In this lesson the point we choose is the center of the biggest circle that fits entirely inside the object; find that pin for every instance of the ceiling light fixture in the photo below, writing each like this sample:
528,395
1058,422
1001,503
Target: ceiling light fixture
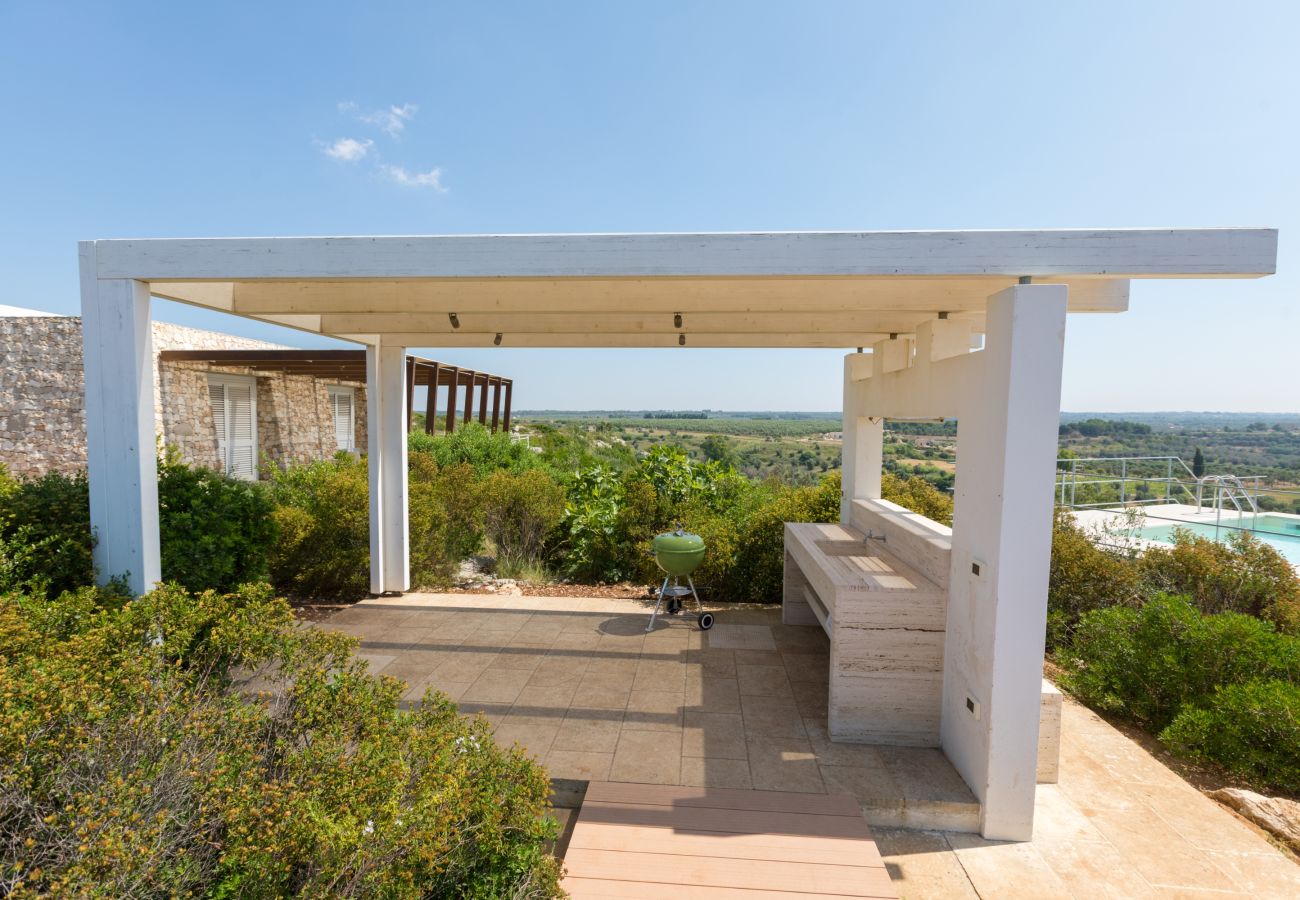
497,340
454,319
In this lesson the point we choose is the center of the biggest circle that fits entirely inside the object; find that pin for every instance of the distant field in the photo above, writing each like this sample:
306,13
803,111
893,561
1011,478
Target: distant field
737,426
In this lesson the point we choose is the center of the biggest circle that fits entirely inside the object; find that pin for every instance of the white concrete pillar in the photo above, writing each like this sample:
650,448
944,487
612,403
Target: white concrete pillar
862,451
121,456
390,561
997,608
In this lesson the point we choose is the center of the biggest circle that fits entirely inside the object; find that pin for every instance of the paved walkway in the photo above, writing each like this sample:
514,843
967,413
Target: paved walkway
580,685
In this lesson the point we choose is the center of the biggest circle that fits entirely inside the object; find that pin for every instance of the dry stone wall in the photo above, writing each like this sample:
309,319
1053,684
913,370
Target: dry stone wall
42,411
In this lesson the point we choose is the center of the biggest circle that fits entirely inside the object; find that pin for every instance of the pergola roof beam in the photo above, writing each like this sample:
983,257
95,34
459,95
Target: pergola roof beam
1136,253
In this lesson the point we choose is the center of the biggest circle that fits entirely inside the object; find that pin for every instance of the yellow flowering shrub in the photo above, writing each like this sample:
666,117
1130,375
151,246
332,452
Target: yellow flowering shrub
205,745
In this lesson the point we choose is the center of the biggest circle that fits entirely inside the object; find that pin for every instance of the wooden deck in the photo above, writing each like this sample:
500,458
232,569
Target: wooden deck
653,841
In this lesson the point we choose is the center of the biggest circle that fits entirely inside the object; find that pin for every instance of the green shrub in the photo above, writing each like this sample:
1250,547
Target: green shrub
322,515
760,557
519,512
1083,577
593,547
918,495
45,525
216,531
453,493
476,445
1251,729
129,767
1149,663
1242,575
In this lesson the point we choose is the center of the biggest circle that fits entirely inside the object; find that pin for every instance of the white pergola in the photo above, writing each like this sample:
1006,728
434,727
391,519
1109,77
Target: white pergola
968,324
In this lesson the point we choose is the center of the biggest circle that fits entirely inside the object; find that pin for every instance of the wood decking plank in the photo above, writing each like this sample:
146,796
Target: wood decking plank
606,889
751,874
639,841
677,841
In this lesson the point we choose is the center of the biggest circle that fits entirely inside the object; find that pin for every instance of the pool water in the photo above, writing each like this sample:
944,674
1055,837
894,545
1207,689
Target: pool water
1282,533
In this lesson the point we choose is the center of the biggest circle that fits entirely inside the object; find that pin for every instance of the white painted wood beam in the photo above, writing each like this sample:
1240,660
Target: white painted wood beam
629,323
386,459
520,296
120,438
510,339
1155,252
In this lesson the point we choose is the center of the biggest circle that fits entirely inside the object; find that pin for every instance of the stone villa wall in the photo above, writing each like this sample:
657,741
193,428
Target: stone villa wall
42,414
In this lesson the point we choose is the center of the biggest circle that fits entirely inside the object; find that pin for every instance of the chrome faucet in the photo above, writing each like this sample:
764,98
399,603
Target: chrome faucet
872,536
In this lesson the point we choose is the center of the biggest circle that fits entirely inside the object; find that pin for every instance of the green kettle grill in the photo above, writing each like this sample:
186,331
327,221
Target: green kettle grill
678,553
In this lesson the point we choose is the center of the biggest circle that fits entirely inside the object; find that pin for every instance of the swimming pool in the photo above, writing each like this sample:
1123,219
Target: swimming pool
1282,533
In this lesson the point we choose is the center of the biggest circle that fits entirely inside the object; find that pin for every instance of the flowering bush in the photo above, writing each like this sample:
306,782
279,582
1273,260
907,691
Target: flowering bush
138,760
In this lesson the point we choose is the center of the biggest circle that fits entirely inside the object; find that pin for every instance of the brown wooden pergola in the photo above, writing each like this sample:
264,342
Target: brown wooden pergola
350,365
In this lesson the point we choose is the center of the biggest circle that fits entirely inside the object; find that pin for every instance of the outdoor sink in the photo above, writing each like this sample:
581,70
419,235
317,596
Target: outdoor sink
845,548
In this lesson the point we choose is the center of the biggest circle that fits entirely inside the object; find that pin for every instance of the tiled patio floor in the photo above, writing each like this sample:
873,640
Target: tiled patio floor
581,686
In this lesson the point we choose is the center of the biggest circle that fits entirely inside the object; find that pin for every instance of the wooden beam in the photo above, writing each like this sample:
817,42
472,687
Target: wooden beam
1149,252
650,296
487,339
505,422
496,403
482,400
469,395
451,399
431,404
636,323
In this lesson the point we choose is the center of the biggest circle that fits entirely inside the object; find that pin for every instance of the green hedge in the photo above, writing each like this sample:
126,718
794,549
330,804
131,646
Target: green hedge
1216,686
134,762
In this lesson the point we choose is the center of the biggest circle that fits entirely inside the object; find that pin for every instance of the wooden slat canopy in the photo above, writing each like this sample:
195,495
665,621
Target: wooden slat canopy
350,365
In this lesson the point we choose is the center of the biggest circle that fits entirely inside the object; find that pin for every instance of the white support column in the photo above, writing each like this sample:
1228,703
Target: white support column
862,451
390,562
997,609
122,459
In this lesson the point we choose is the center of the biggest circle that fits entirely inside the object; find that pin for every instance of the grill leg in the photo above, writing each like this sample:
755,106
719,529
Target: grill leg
662,591
699,607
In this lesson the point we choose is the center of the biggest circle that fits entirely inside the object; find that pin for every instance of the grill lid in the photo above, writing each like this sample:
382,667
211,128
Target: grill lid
679,541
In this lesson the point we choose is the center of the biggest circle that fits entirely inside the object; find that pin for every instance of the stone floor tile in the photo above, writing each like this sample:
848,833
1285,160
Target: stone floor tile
922,865
535,740
812,668
924,774
837,753
558,670
870,785
375,662
784,764
709,694
763,681
648,757
1158,852
463,665
589,732
1056,818
749,657
706,771
771,718
659,675
578,764
812,699
1094,868
1266,875
497,686
654,711
515,657
1007,869
714,735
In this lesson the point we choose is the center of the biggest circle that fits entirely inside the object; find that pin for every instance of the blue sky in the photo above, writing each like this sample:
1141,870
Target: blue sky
177,119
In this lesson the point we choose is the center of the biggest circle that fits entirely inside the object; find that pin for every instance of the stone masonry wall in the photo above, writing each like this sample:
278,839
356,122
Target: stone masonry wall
42,416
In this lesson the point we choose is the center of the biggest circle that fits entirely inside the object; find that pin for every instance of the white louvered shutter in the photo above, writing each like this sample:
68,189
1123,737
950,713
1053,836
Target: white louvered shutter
242,458
341,406
234,418
217,394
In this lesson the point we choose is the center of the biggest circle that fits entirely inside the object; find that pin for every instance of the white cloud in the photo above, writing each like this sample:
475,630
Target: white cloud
429,179
348,149
392,121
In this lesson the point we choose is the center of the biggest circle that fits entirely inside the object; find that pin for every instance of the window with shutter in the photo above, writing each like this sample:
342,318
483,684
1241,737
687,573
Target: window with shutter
234,414
343,411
